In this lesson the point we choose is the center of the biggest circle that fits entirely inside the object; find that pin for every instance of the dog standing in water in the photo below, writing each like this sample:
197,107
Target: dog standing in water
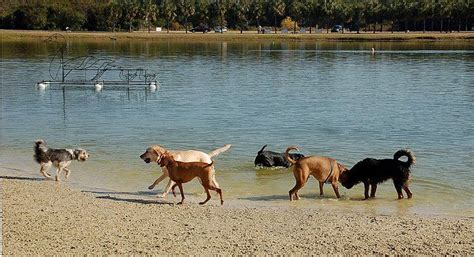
372,172
323,169
60,158
183,172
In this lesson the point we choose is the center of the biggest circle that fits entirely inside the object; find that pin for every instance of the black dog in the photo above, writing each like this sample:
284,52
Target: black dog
274,159
372,172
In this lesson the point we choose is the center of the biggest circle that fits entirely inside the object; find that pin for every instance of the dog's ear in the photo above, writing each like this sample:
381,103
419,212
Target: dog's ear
341,167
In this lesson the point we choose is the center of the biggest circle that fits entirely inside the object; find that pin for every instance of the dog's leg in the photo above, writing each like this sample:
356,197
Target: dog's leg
366,190
294,190
373,189
321,184
172,189
58,172
182,193
67,173
409,194
163,176
398,187
336,189
44,169
167,189
208,196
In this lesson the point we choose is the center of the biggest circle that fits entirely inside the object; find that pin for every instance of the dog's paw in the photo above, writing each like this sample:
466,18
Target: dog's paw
151,187
161,195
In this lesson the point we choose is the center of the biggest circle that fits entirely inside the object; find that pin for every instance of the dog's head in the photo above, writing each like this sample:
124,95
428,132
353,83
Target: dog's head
349,177
152,154
165,159
81,154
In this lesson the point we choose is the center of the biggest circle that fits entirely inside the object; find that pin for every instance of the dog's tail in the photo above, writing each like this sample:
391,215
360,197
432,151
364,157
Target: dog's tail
261,150
287,154
40,150
219,151
405,152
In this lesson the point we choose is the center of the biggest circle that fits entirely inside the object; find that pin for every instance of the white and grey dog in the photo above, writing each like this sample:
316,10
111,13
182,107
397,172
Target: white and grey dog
60,158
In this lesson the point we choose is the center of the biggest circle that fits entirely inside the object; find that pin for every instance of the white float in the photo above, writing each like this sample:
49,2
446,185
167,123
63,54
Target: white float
153,86
42,85
98,86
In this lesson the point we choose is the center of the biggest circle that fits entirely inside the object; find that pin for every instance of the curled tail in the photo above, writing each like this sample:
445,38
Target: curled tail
287,154
40,151
261,150
405,152
219,150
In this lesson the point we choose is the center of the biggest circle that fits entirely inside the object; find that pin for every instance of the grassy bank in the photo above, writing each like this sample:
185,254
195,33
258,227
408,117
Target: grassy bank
236,36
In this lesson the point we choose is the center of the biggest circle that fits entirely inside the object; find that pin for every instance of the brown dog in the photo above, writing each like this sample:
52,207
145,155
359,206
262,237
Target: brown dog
323,169
183,172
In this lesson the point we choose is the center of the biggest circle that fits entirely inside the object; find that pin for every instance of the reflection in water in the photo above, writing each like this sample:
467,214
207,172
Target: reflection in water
332,99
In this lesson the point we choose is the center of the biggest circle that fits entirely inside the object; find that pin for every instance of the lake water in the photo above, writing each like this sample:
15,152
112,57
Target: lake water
331,99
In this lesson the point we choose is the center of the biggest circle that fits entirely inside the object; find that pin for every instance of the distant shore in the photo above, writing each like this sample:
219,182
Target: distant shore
236,36
44,217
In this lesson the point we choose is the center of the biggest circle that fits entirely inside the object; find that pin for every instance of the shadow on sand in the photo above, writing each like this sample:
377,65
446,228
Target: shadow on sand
22,178
131,200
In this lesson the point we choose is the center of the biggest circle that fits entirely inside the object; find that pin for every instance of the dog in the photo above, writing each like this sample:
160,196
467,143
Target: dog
323,169
372,172
183,172
153,154
274,159
60,158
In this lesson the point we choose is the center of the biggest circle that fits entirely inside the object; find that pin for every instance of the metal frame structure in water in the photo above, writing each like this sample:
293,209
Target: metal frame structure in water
88,71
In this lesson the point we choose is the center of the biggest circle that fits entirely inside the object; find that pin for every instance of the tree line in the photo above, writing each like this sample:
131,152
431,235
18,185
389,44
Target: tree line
129,15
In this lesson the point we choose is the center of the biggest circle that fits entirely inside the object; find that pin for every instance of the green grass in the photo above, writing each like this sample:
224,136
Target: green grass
236,36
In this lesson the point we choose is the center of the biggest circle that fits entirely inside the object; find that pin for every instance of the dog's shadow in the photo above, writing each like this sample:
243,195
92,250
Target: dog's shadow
287,198
138,193
22,178
133,200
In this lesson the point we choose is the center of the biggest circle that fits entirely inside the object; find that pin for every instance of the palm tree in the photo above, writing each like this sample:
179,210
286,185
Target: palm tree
296,12
277,9
256,11
186,9
168,10
130,10
149,11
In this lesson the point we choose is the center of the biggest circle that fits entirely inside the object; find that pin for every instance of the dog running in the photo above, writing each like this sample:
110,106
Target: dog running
60,158
274,159
183,172
323,169
372,172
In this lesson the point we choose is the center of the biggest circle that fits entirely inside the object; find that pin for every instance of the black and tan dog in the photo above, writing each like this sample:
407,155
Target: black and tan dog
274,159
372,172
60,158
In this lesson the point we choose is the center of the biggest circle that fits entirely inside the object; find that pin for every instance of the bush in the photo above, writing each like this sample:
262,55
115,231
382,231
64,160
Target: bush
289,24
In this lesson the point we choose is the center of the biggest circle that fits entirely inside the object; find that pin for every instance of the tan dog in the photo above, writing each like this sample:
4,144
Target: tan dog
153,154
183,172
323,169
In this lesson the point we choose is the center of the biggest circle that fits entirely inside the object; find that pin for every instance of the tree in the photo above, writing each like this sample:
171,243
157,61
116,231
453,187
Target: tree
186,9
277,8
238,13
168,10
130,9
30,17
296,11
149,12
256,11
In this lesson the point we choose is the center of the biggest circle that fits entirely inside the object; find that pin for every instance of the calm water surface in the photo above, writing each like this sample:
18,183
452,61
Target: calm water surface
331,99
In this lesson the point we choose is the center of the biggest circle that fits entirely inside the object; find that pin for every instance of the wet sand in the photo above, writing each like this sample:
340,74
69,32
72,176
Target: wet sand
44,217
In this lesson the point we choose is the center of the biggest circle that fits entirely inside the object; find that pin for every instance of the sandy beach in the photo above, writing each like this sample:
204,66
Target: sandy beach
44,217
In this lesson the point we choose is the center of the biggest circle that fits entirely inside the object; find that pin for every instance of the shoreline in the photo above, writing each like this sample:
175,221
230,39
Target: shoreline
235,36
44,217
